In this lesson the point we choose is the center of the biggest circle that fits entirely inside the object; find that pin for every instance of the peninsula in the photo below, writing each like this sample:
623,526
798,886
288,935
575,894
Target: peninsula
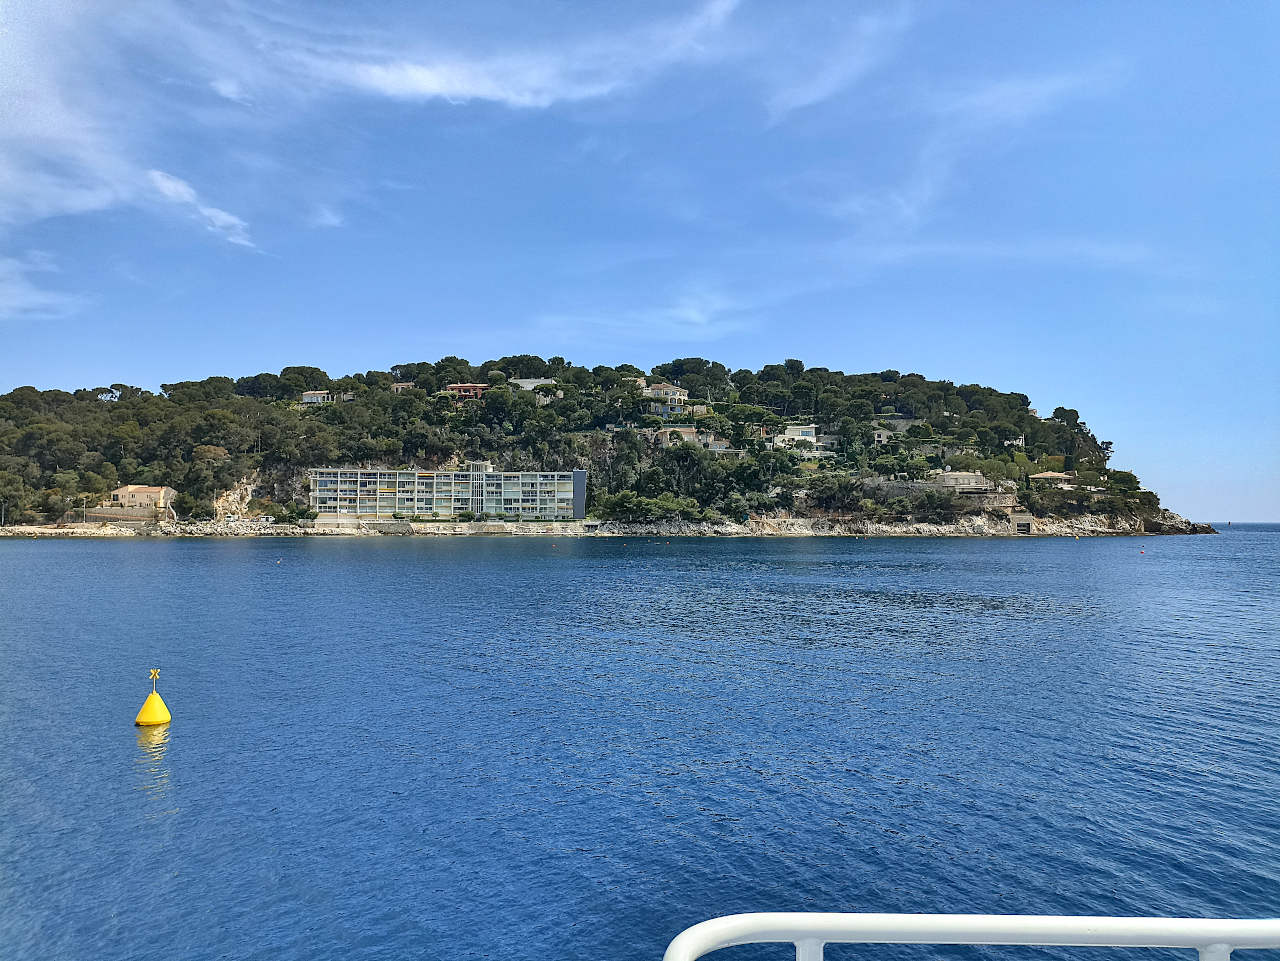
527,445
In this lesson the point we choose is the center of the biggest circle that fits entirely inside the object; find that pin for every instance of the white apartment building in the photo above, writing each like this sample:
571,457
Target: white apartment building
479,489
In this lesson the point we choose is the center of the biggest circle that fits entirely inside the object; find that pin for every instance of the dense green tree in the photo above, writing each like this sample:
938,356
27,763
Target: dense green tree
58,448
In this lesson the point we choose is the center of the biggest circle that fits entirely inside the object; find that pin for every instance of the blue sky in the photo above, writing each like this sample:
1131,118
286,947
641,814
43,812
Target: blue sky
1078,201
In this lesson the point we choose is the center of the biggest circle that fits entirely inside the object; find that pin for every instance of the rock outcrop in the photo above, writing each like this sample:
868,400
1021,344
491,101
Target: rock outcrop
970,525
1167,522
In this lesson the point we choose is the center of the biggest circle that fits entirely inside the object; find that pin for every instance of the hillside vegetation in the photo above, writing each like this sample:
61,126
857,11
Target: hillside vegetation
60,449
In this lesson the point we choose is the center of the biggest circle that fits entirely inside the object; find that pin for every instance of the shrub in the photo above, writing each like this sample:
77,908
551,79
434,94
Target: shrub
630,506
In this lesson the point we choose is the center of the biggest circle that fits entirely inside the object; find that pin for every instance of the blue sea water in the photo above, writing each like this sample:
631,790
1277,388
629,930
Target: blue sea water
557,748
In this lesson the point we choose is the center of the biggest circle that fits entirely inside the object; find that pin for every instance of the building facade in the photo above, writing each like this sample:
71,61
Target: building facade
667,400
479,489
962,481
794,433
137,496
531,383
676,434
130,504
466,391
326,397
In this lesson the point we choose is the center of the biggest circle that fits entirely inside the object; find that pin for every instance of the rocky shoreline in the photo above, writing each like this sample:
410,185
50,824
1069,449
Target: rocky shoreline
975,525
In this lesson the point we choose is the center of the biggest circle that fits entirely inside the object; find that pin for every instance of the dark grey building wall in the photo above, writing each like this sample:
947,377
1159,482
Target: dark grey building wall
579,494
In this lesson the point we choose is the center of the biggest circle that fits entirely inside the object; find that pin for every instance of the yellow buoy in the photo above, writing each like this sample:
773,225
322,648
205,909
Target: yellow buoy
154,710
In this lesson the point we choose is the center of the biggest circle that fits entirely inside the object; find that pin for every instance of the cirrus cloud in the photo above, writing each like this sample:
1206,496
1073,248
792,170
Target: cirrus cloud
176,190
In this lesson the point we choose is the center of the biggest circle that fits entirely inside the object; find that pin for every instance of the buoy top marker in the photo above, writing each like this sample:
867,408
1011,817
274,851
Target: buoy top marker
154,710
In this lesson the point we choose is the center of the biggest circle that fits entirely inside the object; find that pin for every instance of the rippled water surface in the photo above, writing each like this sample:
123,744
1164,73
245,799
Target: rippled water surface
557,748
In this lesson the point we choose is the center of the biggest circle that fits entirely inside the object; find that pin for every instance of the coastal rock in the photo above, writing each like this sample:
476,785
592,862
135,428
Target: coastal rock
68,530
1167,522
970,525
998,524
228,529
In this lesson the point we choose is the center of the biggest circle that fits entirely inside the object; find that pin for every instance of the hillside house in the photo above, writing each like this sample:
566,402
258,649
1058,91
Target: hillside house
687,434
962,482
667,400
541,398
673,435
792,434
466,391
311,397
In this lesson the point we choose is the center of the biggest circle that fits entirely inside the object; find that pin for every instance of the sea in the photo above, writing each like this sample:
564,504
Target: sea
561,748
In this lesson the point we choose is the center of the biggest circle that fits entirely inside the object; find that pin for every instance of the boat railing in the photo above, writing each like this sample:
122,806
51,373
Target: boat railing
1213,938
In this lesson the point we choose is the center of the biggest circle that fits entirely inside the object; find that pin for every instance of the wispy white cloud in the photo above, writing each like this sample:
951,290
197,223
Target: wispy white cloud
322,215
1030,251
698,315
528,78
959,126
69,122
176,190
1014,100
22,298
864,44
229,89
81,124
57,155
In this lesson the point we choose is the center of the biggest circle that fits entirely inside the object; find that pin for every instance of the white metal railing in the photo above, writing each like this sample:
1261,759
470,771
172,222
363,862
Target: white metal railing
1214,938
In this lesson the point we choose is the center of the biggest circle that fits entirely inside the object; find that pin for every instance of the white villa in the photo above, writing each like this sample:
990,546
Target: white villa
327,397
668,400
793,434
687,434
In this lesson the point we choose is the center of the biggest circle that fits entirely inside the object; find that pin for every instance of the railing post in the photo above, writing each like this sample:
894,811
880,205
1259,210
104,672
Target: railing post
1215,952
810,949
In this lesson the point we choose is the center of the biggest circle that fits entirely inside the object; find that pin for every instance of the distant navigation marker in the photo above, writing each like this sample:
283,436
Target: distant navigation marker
154,710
